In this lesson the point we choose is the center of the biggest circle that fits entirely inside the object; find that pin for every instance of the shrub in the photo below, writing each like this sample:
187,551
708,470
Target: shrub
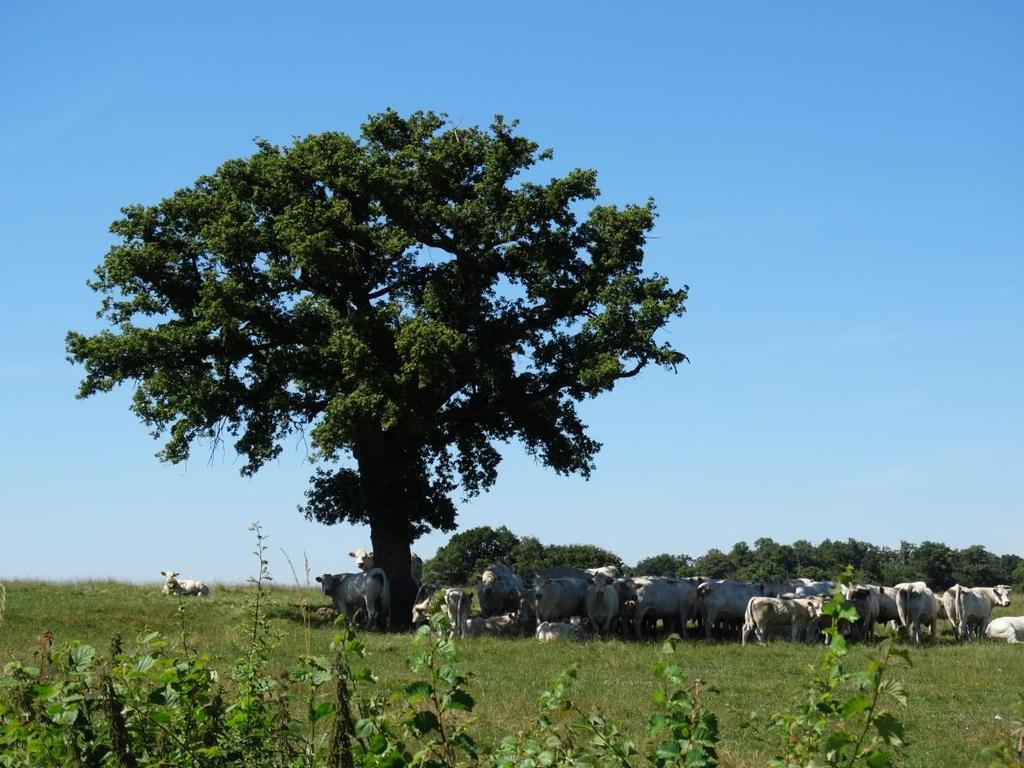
840,720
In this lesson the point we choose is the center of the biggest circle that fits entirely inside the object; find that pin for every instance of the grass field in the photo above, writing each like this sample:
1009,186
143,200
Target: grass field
960,694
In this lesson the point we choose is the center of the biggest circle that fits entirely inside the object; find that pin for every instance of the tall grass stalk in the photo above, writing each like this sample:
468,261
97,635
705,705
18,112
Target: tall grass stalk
305,609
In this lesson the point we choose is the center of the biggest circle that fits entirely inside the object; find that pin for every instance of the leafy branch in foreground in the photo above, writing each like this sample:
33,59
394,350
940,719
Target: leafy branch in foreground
839,720
683,733
435,700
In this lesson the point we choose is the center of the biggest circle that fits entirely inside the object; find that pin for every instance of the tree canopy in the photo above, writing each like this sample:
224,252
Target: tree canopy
405,299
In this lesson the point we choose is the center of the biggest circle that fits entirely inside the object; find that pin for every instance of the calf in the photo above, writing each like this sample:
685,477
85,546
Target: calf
351,592
175,586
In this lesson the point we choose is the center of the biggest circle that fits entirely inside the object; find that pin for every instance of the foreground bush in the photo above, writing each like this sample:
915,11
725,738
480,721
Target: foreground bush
154,703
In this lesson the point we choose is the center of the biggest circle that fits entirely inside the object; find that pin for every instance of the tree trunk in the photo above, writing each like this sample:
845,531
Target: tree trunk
384,472
391,553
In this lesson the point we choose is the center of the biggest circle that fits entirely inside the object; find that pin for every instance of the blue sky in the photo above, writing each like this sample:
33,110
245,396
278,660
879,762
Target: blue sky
839,185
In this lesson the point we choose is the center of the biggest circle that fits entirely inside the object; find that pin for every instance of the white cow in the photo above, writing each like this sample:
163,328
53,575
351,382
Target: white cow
671,600
499,590
423,604
916,605
178,586
865,601
602,603
763,614
350,592
1008,628
574,629
724,600
560,598
456,607
946,607
780,588
814,588
888,608
974,606
526,615
611,571
496,626
364,562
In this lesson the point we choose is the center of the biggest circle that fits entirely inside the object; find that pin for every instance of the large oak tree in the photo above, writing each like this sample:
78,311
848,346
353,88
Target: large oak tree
405,299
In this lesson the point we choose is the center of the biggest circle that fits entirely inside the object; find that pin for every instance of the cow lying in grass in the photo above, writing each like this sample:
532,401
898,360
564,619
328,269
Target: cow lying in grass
177,586
1008,628
574,629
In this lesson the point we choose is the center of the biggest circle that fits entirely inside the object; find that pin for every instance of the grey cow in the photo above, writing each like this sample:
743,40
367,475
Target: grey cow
351,592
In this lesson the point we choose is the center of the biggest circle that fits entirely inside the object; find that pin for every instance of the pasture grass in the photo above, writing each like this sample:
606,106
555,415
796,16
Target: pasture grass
960,694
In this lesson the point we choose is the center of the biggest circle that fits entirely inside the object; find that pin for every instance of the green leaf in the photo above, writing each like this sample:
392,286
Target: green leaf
657,722
856,704
82,657
377,744
890,729
894,688
365,727
419,660
460,700
363,675
418,691
450,675
425,722
63,715
319,677
668,749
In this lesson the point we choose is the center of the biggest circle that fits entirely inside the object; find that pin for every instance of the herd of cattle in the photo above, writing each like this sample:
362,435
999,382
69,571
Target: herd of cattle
572,603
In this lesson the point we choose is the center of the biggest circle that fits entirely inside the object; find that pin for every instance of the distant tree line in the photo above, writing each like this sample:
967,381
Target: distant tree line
467,553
